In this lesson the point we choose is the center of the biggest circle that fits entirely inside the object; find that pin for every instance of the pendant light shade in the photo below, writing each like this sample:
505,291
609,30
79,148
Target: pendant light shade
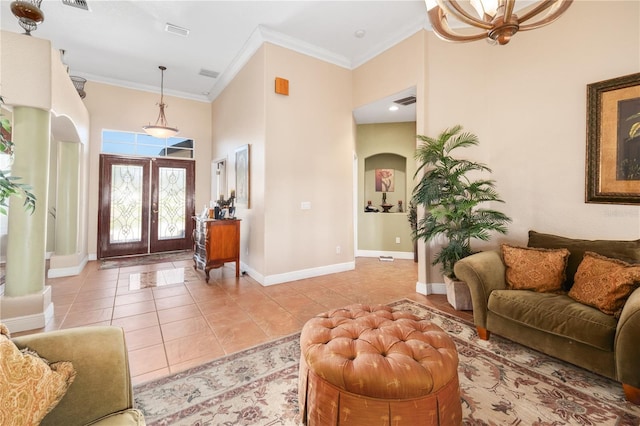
161,129
494,20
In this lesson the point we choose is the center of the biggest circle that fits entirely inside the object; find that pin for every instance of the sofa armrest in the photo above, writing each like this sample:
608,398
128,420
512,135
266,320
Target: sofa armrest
626,348
483,272
103,383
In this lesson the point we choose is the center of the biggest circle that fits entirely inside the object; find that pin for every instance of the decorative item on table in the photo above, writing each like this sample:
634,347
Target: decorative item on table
400,210
226,207
205,212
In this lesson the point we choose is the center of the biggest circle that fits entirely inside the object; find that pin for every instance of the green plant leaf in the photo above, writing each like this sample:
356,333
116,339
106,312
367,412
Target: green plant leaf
456,206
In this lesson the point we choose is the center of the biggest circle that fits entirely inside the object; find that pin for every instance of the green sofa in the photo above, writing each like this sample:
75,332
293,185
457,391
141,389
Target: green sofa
554,323
101,393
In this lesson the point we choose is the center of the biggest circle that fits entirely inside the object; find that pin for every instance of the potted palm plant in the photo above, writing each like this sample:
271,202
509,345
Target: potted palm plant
9,185
455,204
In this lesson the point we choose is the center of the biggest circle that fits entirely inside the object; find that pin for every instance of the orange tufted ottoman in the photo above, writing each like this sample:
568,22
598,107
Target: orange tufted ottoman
370,365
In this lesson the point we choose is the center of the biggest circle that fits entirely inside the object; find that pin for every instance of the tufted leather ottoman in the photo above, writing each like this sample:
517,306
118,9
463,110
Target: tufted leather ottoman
370,365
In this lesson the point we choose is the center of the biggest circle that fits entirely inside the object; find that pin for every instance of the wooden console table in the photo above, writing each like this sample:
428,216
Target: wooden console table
216,242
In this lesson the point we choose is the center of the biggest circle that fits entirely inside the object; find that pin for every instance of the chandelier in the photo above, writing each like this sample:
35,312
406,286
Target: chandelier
161,129
495,19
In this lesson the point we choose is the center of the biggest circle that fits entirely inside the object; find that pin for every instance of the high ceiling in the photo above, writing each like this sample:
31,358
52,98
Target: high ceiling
123,42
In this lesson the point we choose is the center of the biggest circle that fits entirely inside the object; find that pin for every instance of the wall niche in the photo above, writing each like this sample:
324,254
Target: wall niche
385,183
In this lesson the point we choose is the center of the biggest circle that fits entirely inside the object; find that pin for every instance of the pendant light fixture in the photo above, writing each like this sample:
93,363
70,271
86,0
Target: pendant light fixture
161,129
495,19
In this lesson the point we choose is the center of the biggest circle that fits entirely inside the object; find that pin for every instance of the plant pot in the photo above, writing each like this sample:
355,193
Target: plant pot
458,294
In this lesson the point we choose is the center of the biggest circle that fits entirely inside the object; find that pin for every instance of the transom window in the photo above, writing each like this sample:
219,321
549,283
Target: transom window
130,143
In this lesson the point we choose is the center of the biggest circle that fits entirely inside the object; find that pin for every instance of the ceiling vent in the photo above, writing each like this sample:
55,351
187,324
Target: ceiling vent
209,73
80,4
406,101
174,29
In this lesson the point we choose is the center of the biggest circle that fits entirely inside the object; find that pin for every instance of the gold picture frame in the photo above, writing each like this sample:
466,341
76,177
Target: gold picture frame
243,176
613,141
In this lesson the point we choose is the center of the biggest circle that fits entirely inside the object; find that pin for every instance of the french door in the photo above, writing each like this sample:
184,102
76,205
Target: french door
146,205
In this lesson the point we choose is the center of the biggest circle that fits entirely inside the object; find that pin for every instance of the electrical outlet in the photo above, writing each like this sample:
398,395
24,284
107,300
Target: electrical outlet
397,240
338,250
305,205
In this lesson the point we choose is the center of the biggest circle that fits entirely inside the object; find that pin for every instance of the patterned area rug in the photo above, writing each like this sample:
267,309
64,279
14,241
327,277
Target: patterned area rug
146,259
501,383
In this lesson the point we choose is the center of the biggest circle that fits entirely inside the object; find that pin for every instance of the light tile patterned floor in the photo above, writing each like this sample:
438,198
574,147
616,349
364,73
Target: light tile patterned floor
174,320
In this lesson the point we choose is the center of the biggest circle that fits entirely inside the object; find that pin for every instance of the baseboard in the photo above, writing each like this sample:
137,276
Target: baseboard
67,272
430,288
29,322
377,253
39,304
305,273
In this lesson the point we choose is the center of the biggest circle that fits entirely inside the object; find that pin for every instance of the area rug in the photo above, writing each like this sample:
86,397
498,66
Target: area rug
501,383
146,259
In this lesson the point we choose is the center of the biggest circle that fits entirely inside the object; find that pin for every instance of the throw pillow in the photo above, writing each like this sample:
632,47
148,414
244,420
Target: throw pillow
605,283
541,270
629,251
29,386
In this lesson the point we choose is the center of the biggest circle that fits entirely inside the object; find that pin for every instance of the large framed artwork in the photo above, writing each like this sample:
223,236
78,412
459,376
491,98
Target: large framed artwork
243,181
613,141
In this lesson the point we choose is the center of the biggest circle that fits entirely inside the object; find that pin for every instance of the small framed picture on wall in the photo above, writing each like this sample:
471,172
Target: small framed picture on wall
243,176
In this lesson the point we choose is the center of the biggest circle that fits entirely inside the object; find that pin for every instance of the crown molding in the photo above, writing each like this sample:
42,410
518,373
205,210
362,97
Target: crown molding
420,23
142,87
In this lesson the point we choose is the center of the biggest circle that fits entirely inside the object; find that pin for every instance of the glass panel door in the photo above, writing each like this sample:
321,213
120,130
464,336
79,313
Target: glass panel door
146,205
171,206
123,221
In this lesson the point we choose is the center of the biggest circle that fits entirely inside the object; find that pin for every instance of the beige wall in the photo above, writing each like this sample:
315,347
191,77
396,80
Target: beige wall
301,151
118,108
309,158
527,103
378,232
237,119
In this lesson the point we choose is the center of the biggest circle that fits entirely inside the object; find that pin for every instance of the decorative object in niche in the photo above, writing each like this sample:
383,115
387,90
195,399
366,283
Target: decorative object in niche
369,208
385,206
613,141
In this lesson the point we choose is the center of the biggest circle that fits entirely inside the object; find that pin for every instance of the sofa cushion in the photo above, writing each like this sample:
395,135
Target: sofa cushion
629,251
604,283
29,386
557,314
534,269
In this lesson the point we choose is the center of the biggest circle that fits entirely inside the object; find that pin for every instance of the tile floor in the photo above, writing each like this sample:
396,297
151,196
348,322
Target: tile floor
172,326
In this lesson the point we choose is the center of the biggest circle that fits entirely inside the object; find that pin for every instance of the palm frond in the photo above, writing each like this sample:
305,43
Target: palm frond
455,204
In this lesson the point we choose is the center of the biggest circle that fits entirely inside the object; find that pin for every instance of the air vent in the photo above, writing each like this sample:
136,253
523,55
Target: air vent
80,4
406,101
209,73
174,29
